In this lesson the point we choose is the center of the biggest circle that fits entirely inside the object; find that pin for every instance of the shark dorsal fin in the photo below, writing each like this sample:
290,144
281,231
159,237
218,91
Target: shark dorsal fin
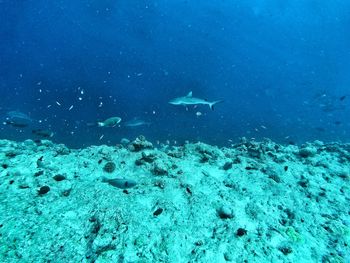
189,94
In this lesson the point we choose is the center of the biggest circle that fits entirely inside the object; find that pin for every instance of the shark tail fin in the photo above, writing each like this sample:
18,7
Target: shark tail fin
211,104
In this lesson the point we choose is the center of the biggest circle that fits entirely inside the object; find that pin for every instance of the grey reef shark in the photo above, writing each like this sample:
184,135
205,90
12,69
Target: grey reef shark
190,100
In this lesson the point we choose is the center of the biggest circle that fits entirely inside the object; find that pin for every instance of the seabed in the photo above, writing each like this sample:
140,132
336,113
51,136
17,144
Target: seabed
252,202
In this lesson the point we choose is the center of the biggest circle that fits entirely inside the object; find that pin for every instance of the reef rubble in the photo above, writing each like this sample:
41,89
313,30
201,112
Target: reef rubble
252,202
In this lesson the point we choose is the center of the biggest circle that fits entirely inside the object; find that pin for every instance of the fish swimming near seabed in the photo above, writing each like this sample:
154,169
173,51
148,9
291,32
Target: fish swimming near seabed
136,122
18,119
190,100
121,183
43,133
110,122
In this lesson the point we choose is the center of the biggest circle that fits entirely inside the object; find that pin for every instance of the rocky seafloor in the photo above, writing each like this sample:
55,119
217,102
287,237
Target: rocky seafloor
252,202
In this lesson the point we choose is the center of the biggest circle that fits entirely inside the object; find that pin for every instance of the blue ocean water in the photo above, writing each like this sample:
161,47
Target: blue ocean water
280,67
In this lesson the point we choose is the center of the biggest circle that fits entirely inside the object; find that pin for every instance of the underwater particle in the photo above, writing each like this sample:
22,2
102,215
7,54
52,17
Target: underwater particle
43,190
225,212
59,177
241,232
109,167
198,113
286,168
70,108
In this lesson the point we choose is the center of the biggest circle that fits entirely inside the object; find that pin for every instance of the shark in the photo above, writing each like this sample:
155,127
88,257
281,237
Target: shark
190,100
136,122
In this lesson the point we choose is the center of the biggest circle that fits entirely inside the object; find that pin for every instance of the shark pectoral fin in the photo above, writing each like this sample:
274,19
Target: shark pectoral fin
189,94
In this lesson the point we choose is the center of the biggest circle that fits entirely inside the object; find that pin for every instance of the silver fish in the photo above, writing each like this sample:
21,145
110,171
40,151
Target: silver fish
121,183
136,122
18,119
110,122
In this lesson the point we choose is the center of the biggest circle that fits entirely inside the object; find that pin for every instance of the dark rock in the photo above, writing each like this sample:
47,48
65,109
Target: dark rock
109,167
286,250
275,178
303,183
175,154
241,232
39,173
158,212
10,155
227,165
225,212
159,169
59,177
146,157
307,152
140,144
43,190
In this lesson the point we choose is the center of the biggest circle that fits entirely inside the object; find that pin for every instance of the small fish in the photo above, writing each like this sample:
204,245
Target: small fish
43,133
320,129
124,141
16,124
18,119
136,122
342,98
110,122
121,183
